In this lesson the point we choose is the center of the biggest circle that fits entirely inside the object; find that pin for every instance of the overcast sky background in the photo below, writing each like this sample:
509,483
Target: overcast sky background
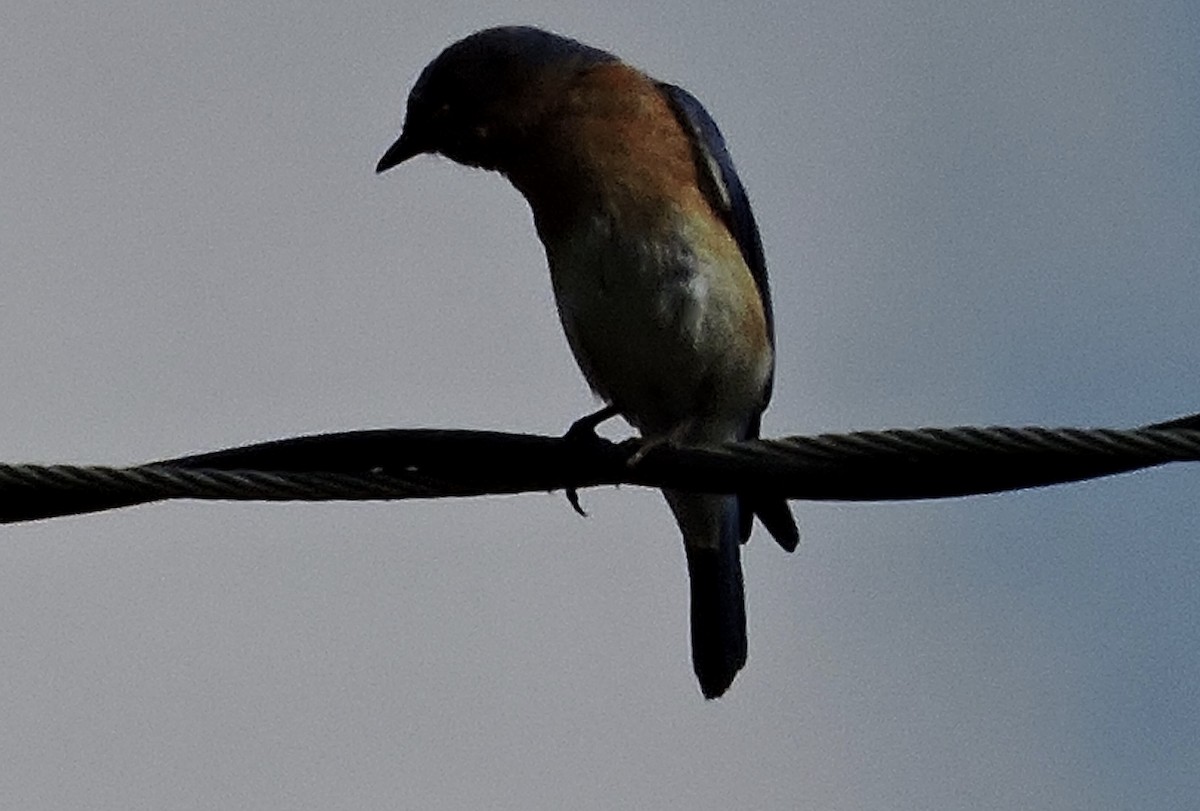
980,213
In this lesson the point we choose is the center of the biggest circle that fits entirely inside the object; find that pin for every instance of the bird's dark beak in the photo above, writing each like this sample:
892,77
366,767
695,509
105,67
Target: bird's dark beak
406,147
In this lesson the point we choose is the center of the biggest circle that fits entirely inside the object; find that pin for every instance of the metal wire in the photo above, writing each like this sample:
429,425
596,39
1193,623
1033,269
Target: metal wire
400,464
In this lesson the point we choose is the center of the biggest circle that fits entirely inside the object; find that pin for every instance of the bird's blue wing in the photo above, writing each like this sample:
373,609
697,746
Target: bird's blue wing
723,187
727,196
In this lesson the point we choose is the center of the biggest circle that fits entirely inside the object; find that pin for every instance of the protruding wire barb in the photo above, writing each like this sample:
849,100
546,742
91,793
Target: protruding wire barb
424,463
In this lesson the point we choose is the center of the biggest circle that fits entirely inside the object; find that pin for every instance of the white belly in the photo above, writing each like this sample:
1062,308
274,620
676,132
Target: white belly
663,330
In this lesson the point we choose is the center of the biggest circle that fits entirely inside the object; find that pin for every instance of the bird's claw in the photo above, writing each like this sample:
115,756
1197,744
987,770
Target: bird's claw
583,430
573,498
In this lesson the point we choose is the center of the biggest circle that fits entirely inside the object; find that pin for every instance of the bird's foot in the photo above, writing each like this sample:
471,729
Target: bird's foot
583,431
647,445
584,428
673,439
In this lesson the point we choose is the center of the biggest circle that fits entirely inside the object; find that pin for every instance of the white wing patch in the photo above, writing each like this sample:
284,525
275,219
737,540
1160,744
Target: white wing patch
713,174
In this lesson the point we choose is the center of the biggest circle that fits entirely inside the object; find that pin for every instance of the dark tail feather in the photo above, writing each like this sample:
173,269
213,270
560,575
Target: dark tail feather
776,516
718,613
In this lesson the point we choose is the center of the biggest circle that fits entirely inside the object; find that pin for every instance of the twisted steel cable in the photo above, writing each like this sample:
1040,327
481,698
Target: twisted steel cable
426,463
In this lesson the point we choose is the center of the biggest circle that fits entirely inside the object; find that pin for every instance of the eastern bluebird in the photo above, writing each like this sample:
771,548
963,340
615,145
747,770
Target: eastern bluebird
655,259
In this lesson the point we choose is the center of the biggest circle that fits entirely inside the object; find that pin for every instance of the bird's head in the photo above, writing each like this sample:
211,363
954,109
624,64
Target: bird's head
478,100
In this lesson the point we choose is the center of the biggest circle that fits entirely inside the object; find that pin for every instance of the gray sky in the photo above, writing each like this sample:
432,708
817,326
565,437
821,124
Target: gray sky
973,213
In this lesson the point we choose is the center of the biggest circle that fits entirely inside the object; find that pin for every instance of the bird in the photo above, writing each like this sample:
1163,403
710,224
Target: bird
655,260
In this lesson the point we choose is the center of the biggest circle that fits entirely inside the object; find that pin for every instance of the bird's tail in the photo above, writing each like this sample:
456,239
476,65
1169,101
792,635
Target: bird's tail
711,537
774,513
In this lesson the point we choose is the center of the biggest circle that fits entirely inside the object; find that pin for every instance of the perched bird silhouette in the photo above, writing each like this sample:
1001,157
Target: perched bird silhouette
655,259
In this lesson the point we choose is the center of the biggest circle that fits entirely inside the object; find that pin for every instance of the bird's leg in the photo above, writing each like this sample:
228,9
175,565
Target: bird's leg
585,426
584,430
